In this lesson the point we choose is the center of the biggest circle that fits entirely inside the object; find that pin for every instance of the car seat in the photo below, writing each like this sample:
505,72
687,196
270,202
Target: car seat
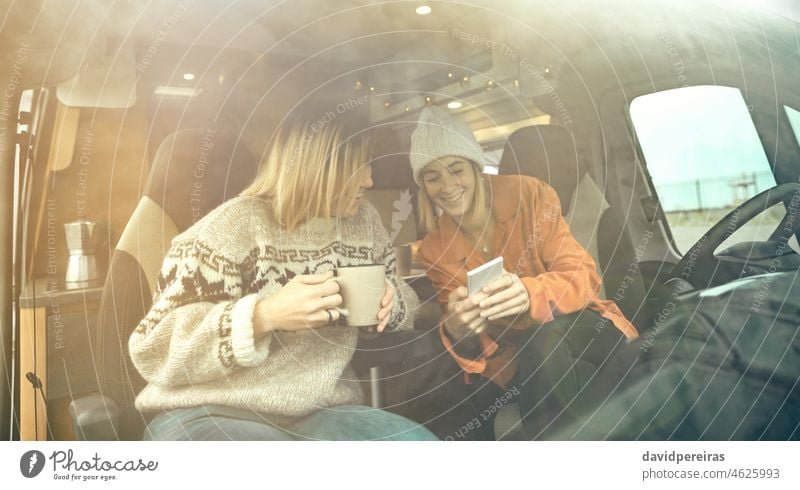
549,153
193,171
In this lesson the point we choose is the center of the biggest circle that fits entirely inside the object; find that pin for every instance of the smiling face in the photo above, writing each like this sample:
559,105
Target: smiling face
348,204
450,183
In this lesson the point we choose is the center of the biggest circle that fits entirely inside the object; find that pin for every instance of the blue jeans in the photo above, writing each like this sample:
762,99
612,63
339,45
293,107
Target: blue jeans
342,423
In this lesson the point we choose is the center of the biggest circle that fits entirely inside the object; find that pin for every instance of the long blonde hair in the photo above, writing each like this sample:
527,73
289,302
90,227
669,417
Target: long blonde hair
478,209
309,165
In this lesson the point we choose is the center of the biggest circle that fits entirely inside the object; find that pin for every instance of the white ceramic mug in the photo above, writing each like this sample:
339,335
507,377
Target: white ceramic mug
361,288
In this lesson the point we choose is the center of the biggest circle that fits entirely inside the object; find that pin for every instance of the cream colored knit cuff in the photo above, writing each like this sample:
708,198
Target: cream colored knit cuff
245,350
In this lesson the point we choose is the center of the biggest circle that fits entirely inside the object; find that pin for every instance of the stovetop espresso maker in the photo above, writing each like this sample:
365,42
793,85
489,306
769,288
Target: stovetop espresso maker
82,263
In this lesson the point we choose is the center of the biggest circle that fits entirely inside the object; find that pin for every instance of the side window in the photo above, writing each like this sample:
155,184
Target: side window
704,157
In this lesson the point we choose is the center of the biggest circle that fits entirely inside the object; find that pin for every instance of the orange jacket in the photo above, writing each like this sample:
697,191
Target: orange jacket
537,246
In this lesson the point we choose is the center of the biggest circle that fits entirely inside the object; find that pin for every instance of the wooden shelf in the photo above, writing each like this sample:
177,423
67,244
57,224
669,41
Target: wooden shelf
56,335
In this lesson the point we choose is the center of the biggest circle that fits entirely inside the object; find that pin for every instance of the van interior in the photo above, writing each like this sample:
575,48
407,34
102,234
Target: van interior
123,123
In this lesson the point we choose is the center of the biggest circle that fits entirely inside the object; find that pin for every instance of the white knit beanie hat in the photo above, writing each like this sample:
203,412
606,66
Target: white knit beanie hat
438,134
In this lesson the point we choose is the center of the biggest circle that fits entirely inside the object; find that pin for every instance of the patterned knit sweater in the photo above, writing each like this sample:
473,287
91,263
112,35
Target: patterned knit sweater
196,345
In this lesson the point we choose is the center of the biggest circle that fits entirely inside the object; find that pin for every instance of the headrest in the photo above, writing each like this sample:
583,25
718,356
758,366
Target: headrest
196,170
390,164
548,153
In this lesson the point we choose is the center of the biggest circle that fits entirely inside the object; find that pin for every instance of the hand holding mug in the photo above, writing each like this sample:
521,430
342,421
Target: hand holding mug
306,301
387,305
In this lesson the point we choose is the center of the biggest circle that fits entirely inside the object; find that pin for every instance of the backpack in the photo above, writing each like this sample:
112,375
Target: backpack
718,364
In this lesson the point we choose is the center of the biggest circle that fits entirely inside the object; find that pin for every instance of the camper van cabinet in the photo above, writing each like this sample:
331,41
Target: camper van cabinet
55,355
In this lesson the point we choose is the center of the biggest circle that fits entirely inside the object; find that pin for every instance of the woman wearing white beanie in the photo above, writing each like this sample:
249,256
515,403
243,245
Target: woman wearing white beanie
536,331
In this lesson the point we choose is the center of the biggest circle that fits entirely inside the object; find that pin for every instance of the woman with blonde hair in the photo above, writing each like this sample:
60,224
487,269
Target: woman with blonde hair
539,332
243,341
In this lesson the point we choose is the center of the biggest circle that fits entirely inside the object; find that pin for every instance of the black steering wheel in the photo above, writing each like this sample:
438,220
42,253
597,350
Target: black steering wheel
698,266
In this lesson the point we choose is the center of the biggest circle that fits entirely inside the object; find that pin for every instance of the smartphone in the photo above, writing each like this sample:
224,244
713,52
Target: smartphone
484,275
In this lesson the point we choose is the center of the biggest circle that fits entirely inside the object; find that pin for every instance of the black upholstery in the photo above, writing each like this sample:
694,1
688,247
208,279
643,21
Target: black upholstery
126,299
193,171
548,153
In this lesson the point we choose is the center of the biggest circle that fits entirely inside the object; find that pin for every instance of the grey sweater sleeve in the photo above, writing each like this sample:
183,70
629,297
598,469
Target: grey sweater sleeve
406,302
199,327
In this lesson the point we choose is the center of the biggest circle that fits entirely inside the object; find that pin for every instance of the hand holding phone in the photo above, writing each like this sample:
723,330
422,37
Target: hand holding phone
506,296
483,275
